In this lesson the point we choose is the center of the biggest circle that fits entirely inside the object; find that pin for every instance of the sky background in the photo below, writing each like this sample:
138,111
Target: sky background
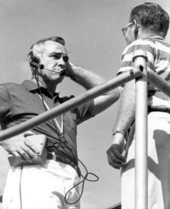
92,30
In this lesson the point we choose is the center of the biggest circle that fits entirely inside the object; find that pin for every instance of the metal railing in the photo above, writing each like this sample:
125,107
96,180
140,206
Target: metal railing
141,132
141,192
142,77
70,104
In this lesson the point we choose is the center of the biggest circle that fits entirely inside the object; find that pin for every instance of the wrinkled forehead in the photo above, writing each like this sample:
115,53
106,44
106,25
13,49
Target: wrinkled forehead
48,47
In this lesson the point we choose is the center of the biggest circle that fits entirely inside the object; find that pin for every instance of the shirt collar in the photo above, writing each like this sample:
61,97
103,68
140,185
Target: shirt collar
156,37
33,87
30,85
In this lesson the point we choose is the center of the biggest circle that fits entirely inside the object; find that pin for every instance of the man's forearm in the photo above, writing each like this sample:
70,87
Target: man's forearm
126,113
86,78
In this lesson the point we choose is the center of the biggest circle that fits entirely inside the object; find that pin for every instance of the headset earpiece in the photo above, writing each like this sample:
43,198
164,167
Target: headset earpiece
34,61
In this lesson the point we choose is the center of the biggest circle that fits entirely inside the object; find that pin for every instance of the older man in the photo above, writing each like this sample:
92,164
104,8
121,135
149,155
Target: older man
44,185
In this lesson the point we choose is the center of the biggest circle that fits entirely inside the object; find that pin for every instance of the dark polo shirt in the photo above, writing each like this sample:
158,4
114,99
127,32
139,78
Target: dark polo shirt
21,102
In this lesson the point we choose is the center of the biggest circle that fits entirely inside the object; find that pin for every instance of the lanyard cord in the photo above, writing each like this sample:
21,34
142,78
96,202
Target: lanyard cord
64,146
54,119
56,124
61,140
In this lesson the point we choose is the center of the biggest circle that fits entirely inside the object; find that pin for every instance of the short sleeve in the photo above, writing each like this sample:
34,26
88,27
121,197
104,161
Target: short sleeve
84,111
146,45
4,103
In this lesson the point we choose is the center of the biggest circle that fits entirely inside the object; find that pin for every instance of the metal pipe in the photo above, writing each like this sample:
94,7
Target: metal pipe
158,81
69,105
141,167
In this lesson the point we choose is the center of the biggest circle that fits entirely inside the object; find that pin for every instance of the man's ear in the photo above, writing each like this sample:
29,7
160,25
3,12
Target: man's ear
136,29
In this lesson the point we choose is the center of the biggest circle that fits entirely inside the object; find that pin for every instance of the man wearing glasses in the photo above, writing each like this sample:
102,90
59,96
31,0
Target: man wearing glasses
50,182
146,31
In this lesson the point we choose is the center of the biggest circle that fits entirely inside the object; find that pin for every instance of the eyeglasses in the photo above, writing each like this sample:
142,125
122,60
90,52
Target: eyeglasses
124,29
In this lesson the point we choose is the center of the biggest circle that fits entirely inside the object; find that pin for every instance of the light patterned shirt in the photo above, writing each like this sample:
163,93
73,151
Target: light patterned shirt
158,54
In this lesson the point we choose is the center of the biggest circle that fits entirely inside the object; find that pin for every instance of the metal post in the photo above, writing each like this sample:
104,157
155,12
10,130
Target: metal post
141,174
69,105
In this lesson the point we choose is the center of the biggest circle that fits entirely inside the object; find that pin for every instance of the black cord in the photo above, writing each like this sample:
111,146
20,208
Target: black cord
85,177
81,182
62,144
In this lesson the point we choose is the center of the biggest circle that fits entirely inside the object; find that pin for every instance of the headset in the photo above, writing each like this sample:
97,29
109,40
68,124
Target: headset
34,63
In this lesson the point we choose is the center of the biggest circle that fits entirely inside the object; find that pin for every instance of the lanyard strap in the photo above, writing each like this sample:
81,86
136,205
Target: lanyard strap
54,119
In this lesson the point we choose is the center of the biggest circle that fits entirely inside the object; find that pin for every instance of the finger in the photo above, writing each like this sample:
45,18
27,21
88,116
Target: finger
24,154
14,153
117,165
31,146
29,152
115,155
114,164
28,133
119,156
116,161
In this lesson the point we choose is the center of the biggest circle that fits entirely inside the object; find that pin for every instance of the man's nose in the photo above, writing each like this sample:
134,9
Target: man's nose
61,62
